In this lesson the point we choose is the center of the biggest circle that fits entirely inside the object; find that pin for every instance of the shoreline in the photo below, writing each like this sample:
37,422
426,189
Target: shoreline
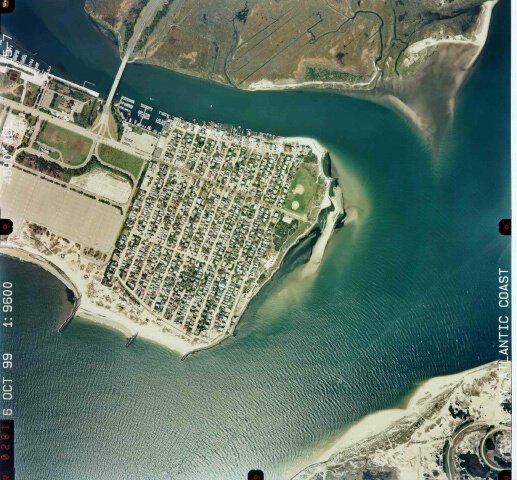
85,314
23,255
479,39
147,329
320,151
104,28
379,421
364,92
389,101
318,251
87,310
367,90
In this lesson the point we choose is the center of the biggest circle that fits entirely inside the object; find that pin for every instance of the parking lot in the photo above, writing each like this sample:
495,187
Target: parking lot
65,212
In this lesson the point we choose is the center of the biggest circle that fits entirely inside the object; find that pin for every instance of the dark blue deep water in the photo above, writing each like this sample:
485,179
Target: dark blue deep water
407,293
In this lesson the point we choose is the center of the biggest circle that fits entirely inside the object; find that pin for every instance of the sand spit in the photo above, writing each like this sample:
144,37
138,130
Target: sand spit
408,440
387,96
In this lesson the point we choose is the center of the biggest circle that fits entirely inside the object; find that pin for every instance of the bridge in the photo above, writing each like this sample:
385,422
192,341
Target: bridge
144,19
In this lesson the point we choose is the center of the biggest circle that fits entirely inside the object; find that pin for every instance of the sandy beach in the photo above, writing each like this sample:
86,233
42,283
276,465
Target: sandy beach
320,152
321,243
360,89
89,310
99,304
316,146
479,37
36,259
379,421
317,84
336,200
418,429
150,331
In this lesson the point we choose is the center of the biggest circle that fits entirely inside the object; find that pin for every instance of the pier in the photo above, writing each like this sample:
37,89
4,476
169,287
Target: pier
145,18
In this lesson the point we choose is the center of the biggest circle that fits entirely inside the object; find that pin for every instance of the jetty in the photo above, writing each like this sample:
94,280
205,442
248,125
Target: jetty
70,317
131,339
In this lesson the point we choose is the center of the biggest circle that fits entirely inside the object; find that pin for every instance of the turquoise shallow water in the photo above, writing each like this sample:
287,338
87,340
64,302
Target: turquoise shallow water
408,293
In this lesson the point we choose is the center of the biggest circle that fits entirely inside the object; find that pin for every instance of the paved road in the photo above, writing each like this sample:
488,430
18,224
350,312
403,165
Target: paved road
144,19
67,125
492,465
449,460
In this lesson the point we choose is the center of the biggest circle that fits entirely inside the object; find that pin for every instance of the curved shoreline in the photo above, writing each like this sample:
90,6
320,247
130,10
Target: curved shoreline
377,421
84,306
380,421
22,255
368,90
87,310
28,257
323,237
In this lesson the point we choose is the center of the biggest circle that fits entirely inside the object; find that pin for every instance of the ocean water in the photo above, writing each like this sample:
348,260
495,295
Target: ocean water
407,292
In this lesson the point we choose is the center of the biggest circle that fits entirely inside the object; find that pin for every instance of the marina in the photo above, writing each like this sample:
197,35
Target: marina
400,297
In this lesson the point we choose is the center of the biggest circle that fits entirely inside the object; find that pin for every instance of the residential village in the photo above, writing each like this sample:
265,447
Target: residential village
207,217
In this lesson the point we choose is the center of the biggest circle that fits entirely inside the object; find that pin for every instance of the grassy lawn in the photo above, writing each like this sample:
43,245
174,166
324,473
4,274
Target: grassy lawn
52,153
302,190
121,160
88,114
56,101
16,96
32,94
74,148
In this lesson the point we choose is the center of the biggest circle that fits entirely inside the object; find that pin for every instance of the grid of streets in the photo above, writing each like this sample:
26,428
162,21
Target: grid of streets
207,226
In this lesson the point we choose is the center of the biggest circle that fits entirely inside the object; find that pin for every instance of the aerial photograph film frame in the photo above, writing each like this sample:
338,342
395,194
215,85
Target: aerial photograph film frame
257,240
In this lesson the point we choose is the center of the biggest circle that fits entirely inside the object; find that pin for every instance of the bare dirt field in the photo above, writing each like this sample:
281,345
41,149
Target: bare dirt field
106,184
65,212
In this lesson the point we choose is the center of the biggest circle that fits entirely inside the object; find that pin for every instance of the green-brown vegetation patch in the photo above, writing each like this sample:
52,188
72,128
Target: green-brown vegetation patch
117,119
31,94
44,149
121,160
150,28
69,91
321,74
59,172
88,114
303,189
286,233
74,148
11,85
